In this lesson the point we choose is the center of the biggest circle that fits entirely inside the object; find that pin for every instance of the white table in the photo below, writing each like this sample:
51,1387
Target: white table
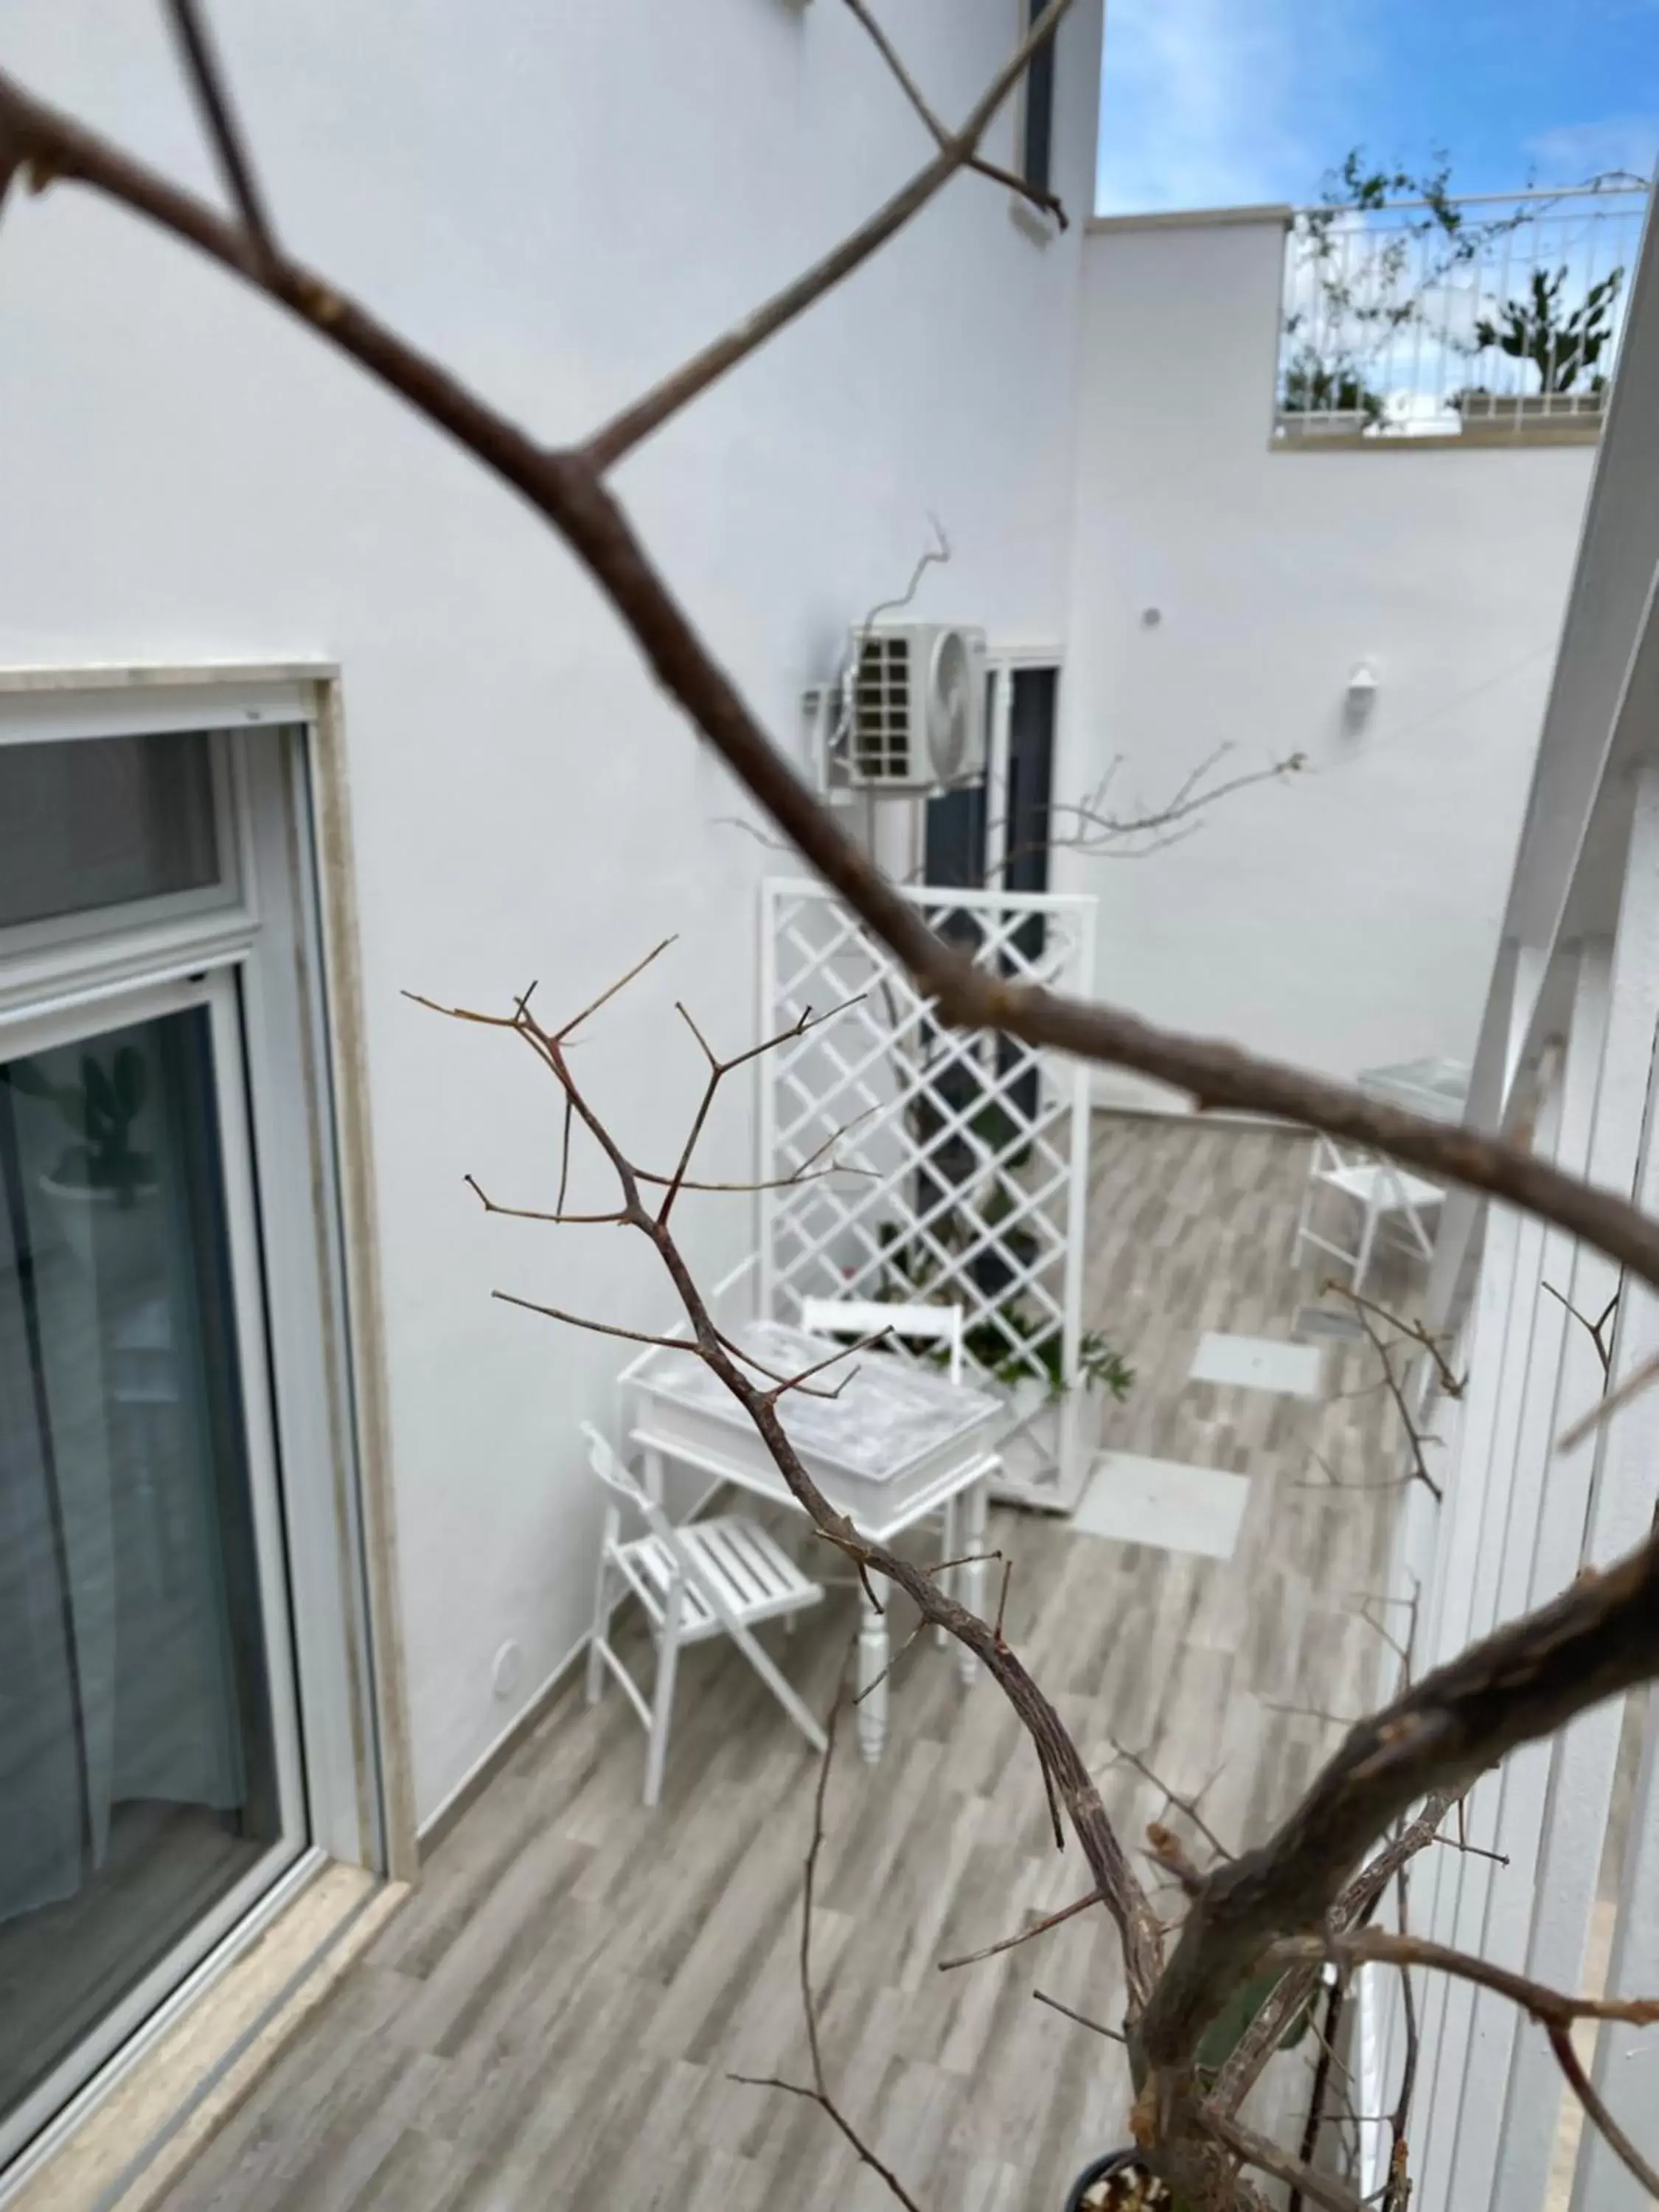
896,1446
1434,1088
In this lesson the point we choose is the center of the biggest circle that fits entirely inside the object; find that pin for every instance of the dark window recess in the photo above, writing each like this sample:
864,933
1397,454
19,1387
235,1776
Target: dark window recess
955,839
1030,796
1036,156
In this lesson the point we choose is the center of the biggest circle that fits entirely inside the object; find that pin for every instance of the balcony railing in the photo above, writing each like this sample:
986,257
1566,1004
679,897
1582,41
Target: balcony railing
1477,317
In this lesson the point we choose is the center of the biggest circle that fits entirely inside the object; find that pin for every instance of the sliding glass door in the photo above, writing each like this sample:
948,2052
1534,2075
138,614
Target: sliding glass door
149,1775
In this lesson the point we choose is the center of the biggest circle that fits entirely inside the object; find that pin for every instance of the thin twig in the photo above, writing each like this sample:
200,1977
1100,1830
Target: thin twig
1011,1943
1188,1806
1418,1332
213,97
530,1214
597,1327
1038,194
1083,2019
818,2093
563,1036
1474,1850
1595,1330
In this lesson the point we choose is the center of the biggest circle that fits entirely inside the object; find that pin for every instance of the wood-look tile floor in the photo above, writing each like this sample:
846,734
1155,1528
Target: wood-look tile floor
555,2018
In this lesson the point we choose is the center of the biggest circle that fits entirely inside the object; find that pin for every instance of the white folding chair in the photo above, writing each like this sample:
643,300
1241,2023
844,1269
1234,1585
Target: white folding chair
704,1578
919,1324
1385,1196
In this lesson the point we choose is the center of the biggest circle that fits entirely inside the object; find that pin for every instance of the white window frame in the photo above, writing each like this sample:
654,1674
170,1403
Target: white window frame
266,950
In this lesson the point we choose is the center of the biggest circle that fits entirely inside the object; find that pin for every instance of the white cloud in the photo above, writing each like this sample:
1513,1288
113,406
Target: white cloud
1208,103
1577,151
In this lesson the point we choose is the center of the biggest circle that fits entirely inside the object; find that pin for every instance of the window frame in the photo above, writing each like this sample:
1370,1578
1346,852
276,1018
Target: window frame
274,953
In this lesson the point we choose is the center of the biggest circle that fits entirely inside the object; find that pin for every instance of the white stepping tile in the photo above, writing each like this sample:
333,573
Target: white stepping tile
1164,1501
1260,1363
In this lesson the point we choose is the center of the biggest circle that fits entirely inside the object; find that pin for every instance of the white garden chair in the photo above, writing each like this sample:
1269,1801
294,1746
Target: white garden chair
704,1578
1389,1200
919,1324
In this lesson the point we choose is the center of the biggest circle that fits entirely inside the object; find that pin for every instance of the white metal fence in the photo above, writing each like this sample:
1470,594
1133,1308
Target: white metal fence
964,1157
1477,317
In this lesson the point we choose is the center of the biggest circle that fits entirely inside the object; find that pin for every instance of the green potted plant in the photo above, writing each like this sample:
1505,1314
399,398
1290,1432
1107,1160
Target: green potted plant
1023,1353
1327,399
1563,346
100,1182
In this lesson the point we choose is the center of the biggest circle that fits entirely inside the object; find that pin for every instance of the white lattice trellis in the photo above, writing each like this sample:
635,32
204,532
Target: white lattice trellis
963,1158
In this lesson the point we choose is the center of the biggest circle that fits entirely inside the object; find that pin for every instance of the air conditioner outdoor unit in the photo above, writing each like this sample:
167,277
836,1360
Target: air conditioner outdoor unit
915,715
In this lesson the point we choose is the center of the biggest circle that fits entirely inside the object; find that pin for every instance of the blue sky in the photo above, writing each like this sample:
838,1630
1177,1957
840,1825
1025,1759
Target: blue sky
1217,103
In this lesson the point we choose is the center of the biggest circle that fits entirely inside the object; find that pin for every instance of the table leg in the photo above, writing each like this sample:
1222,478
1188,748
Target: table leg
873,1655
652,1470
971,1581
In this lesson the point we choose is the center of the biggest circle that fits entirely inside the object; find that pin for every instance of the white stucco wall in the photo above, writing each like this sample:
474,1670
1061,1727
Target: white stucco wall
1348,918
561,203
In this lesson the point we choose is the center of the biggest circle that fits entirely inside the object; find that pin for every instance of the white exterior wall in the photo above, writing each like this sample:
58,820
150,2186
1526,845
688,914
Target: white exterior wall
1348,918
560,205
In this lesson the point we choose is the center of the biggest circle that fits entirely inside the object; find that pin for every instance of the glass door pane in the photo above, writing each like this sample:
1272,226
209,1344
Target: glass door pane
140,1774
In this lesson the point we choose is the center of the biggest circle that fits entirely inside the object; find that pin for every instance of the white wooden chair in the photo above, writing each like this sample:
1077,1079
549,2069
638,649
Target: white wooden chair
918,1324
703,1578
1386,1196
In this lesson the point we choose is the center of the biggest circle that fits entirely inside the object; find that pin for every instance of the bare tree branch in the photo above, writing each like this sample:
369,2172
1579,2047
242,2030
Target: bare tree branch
637,422
1552,2010
1418,1332
1585,2090
1548,2006
1065,1778
1363,1310
1599,1636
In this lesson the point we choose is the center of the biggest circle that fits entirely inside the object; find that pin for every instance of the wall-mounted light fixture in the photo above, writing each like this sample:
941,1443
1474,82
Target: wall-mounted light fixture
1359,700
